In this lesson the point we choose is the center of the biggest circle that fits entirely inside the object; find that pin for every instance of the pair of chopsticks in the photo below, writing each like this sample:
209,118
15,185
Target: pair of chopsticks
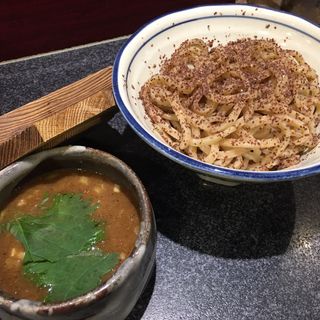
56,117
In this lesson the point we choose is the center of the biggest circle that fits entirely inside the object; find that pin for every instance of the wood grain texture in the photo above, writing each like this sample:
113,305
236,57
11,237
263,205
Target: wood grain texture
56,117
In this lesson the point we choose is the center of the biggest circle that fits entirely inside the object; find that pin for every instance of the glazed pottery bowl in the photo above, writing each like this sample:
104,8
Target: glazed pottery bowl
114,298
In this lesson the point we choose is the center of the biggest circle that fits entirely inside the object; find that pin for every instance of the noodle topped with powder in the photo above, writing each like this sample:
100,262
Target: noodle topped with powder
247,105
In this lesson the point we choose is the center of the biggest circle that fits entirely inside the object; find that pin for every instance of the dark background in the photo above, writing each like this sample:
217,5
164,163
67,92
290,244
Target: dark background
38,26
246,252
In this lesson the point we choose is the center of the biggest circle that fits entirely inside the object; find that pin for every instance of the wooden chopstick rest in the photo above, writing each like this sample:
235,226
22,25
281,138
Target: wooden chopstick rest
56,117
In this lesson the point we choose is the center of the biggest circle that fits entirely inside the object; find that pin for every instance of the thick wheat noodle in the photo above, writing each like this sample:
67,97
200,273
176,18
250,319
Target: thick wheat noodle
247,105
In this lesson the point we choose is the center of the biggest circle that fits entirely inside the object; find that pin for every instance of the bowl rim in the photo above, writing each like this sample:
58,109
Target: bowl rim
147,225
187,161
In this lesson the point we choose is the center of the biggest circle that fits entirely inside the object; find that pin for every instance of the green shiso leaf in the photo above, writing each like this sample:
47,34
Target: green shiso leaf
73,275
59,245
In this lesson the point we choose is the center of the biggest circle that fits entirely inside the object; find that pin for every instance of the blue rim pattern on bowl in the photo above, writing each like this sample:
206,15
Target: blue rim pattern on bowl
196,165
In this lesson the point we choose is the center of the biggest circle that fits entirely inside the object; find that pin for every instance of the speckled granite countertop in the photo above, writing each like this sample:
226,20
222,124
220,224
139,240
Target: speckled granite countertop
229,253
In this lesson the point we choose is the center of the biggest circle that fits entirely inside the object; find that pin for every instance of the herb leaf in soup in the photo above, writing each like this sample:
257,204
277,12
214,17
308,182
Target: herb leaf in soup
64,229
72,276
59,247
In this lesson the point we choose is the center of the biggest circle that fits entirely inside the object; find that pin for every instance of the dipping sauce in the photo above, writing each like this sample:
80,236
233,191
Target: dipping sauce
115,211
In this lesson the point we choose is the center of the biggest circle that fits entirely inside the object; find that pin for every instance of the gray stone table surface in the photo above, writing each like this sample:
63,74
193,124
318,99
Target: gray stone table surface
229,253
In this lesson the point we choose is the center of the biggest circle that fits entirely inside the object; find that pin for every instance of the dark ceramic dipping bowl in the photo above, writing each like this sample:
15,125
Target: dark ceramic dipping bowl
115,298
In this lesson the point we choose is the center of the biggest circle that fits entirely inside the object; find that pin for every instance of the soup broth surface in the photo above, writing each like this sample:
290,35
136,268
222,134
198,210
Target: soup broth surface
116,211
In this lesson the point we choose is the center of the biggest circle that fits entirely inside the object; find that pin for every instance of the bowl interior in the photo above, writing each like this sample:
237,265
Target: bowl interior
106,167
142,55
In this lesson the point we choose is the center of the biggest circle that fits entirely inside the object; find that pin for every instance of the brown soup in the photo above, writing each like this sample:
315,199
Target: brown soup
116,211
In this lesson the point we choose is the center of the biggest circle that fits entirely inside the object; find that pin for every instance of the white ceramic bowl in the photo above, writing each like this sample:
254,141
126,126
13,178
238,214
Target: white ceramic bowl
139,59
